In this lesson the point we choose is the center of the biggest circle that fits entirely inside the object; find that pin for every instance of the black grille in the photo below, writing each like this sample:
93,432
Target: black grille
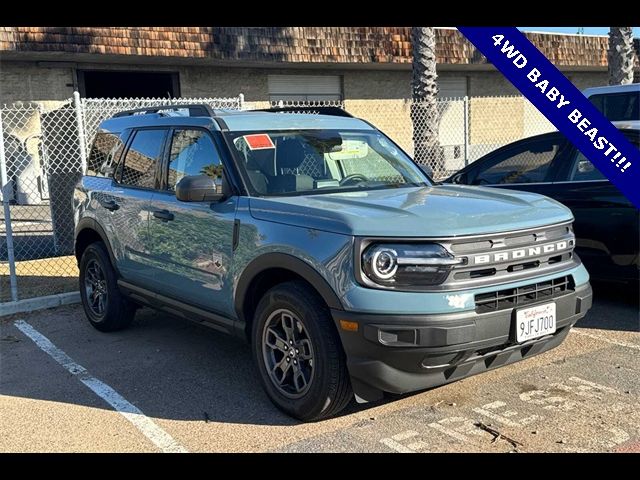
516,297
510,240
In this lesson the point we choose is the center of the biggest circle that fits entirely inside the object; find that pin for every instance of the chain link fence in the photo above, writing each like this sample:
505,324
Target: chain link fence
44,148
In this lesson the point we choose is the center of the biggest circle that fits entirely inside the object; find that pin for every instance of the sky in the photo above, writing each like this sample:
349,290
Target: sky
587,30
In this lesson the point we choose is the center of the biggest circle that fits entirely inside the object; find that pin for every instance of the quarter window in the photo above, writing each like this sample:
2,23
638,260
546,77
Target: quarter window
192,153
105,149
139,167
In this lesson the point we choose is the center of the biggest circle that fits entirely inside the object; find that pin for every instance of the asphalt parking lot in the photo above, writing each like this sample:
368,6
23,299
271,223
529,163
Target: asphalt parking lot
165,385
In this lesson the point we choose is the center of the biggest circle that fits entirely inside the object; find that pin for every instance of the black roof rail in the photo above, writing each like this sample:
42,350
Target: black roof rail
334,111
195,110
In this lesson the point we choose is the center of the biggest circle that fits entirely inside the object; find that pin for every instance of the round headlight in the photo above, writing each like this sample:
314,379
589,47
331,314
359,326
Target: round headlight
385,263
381,262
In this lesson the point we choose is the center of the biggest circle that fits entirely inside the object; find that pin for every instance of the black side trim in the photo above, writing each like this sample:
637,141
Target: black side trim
236,234
176,307
89,223
288,262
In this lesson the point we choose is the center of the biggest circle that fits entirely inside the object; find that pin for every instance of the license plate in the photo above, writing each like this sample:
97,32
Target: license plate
534,322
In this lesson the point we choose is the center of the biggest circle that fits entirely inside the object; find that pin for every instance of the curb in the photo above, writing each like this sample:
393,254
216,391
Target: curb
39,303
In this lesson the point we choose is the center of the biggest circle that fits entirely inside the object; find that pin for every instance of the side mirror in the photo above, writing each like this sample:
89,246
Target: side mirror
585,166
426,169
201,188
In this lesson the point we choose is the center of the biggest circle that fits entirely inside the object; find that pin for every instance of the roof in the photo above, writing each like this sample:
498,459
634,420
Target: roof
240,121
347,45
255,121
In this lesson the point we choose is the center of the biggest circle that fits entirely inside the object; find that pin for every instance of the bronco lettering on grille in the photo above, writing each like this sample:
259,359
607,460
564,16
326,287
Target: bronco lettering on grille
520,253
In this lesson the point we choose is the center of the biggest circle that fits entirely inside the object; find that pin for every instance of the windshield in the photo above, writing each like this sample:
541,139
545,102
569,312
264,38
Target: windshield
322,161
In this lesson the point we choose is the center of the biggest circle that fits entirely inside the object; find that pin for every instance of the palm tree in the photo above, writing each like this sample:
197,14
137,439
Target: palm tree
620,55
424,109
212,170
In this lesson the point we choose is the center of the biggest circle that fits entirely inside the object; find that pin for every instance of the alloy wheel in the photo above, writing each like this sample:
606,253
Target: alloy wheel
288,353
95,285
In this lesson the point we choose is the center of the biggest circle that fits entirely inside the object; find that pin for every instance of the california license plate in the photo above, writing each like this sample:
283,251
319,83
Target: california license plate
534,322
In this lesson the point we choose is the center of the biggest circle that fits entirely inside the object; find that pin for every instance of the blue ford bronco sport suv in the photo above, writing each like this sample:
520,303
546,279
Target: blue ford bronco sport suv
317,239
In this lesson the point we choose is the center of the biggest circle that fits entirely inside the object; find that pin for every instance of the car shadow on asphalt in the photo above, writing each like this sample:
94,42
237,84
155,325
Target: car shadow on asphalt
615,307
168,368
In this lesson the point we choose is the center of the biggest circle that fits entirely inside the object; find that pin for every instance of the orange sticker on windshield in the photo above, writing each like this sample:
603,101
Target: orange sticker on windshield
259,141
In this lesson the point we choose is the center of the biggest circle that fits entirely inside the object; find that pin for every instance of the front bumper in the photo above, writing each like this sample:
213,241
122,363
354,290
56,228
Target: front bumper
404,353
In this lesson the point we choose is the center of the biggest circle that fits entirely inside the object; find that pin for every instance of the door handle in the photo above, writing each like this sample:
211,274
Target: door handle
164,215
109,204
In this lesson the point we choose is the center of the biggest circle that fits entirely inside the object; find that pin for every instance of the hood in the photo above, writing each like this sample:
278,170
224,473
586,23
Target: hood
438,211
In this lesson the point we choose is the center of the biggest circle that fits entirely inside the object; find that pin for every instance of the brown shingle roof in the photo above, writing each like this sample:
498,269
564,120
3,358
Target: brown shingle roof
284,44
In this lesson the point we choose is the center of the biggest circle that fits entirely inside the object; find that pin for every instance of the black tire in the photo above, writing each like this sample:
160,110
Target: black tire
329,388
117,312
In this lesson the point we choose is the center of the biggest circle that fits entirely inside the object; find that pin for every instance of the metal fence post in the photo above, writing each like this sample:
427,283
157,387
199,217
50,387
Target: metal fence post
81,138
466,130
7,217
241,101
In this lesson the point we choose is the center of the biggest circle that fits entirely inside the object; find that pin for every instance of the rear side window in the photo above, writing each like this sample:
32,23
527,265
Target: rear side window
139,166
618,106
105,150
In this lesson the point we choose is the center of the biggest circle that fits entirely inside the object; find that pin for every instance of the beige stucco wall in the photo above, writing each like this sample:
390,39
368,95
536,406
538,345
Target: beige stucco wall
493,120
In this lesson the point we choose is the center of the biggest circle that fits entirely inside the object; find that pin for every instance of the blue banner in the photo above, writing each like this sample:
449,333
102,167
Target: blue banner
562,103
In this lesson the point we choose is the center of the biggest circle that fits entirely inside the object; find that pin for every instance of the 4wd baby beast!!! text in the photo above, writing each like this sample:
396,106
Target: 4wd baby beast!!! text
317,239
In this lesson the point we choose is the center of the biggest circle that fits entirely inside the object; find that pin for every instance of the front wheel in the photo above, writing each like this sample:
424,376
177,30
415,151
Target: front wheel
299,354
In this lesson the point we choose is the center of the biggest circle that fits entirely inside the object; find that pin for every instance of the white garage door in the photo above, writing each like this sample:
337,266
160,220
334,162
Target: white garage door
305,87
452,87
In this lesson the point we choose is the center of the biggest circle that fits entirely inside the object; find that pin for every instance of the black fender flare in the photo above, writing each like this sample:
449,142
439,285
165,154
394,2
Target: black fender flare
88,223
287,262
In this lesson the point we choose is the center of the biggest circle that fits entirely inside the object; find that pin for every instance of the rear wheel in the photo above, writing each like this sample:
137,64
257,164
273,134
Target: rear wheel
299,354
105,307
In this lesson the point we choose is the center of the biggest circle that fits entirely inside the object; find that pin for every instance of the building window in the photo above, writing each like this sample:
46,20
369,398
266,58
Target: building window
305,88
132,84
452,87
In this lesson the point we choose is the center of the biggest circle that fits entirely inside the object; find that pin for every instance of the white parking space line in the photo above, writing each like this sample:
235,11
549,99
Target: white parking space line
397,446
394,442
447,431
405,435
496,417
144,424
594,385
608,340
